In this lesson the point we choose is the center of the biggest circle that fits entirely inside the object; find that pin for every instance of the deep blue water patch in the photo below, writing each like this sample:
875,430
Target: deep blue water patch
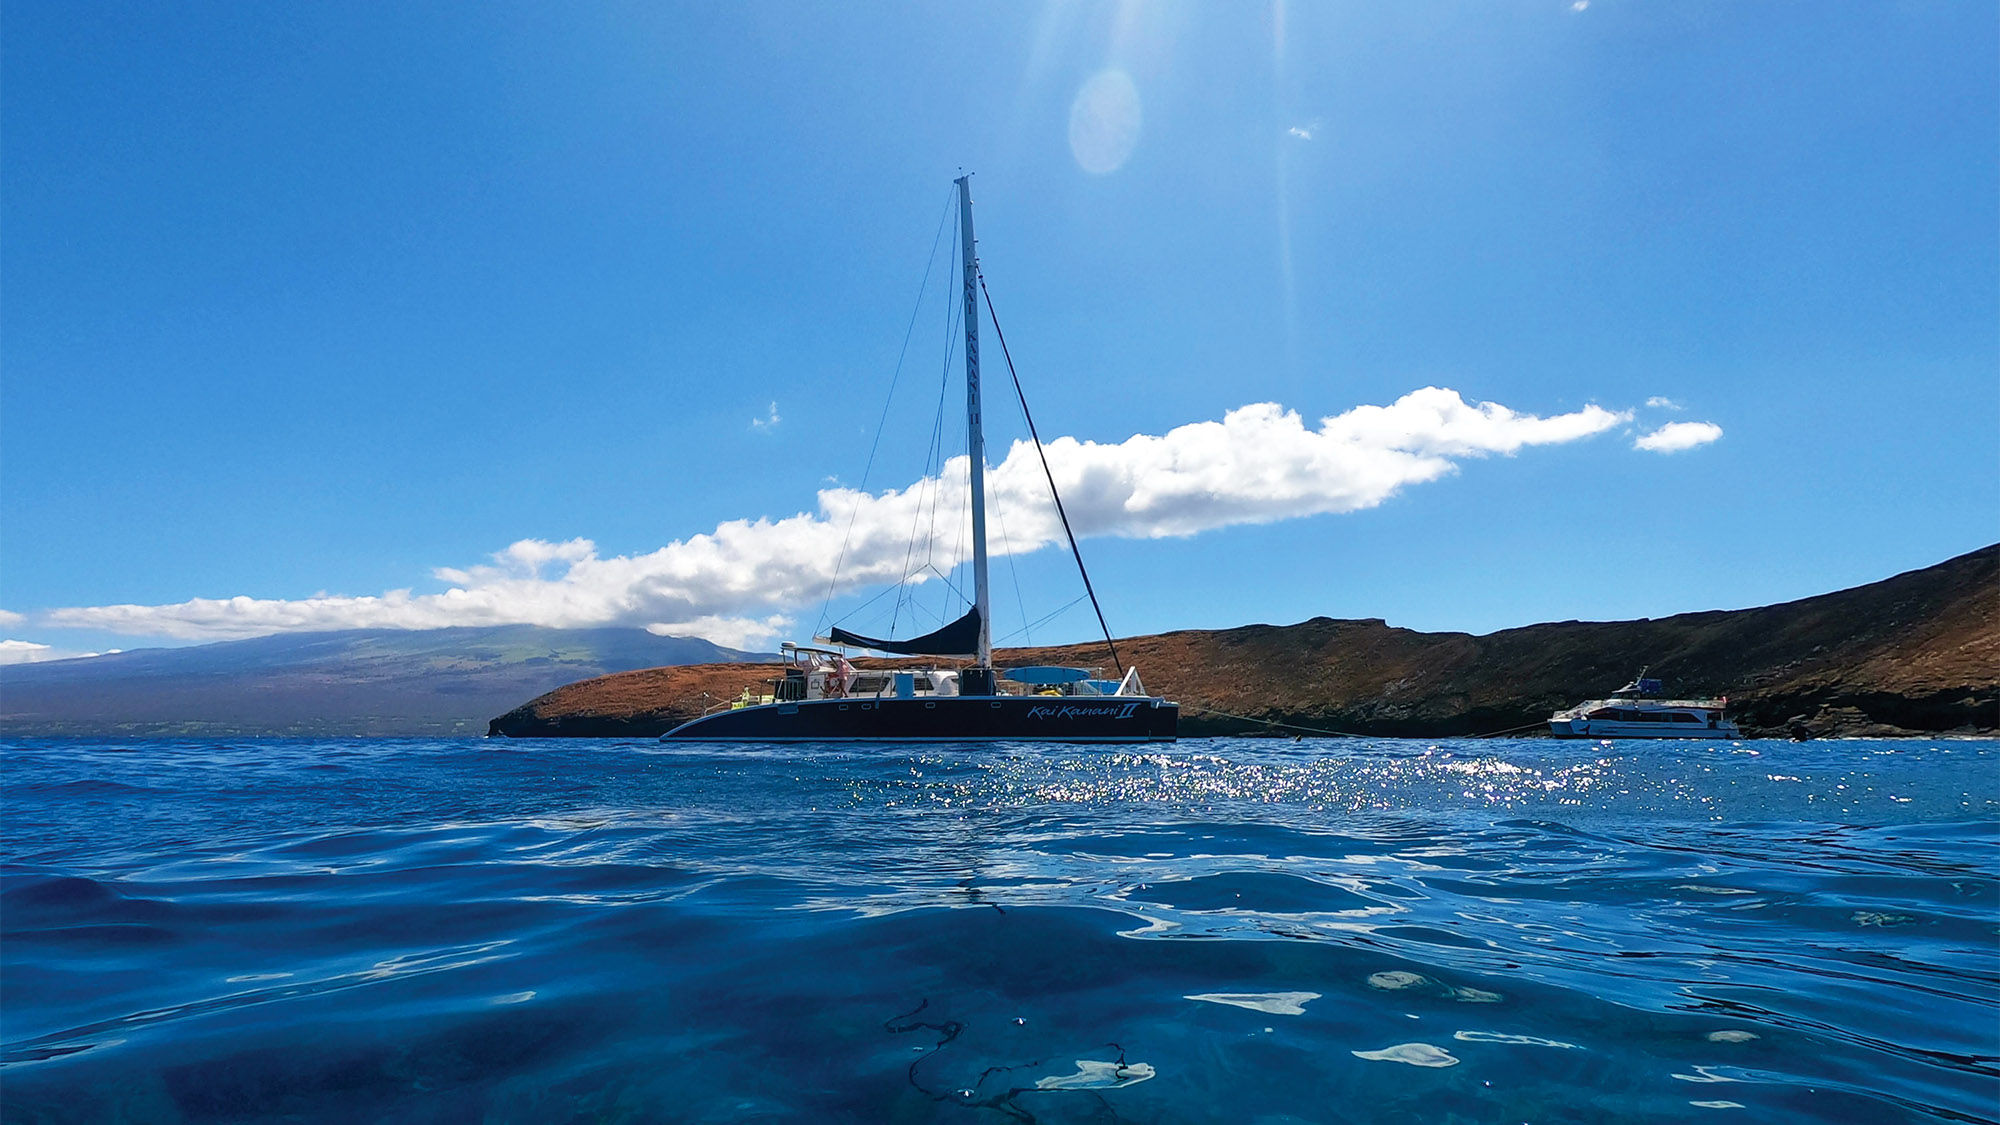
1219,931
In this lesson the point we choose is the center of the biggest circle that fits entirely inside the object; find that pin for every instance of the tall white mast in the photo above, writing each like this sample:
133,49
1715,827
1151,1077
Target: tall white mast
975,439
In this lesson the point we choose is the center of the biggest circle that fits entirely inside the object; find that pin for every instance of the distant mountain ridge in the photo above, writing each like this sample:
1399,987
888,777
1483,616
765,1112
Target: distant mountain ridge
349,682
1916,653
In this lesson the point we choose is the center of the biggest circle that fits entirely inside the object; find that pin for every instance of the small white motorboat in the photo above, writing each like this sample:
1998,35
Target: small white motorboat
1638,711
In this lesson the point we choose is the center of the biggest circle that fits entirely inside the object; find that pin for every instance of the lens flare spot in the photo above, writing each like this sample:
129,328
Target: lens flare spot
1104,122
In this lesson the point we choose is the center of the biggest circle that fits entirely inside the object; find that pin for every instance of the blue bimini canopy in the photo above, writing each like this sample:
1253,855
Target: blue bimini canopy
1044,674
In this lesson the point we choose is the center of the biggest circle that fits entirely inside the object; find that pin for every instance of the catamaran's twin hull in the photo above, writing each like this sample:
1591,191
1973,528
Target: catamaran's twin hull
1007,718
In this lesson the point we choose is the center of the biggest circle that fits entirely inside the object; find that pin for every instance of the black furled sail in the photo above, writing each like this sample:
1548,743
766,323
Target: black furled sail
960,638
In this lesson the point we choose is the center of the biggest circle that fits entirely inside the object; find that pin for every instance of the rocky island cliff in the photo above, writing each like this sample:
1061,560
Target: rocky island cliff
1918,653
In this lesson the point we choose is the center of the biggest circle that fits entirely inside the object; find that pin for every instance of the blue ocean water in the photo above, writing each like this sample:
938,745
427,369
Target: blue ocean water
1216,931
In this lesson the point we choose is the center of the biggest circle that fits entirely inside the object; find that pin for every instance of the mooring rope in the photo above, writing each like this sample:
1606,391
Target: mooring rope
1275,723
1512,730
1344,733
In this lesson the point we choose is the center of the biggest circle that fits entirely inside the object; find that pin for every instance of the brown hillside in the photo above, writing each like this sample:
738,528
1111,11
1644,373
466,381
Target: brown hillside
1919,652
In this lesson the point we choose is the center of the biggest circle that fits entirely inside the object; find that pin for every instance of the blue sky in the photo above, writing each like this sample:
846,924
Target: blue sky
309,304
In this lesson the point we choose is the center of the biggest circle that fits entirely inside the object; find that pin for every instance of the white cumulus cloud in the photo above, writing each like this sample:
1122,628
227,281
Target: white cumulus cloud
1258,464
1662,402
730,632
768,421
30,652
1676,436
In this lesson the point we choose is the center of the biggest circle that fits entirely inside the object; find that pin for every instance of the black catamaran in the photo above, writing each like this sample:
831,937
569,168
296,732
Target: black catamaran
823,698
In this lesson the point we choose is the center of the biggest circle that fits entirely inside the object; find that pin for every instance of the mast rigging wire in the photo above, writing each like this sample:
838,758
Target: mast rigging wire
930,487
1042,620
882,424
1013,572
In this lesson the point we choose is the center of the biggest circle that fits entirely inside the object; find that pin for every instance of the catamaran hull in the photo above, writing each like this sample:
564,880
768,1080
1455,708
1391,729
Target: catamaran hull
1006,718
1599,728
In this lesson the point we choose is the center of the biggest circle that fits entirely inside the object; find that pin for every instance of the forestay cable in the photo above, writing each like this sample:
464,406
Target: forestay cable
1053,491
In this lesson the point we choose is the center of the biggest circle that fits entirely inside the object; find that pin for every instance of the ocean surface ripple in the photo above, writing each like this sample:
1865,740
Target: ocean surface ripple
1216,931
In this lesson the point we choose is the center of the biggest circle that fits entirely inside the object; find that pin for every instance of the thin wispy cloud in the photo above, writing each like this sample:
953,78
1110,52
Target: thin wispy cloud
1304,132
1676,436
768,421
1662,402
734,585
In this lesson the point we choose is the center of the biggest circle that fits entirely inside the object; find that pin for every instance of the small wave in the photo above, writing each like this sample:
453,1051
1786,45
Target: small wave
43,904
399,966
86,787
